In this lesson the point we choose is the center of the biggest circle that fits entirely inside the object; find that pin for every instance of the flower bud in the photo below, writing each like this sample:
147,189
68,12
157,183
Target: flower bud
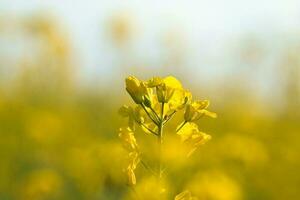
136,89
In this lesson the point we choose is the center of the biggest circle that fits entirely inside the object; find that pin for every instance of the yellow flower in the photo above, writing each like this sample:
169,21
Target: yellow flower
129,141
133,160
167,88
185,195
191,136
153,82
137,89
131,179
180,99
133,114
196,110
196,141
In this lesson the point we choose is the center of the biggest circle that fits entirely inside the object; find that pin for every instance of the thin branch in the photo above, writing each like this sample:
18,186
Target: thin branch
148,168
153,132
156,115
170,116
182,125
149,115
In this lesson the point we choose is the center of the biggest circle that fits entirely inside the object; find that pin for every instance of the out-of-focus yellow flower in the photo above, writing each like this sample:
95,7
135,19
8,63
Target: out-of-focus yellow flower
191,136
196,110
131,179
185,195
215,185
136,89
41,184
133,114
153,82
147,189
121,29
130,144
236,146
129,141
133,161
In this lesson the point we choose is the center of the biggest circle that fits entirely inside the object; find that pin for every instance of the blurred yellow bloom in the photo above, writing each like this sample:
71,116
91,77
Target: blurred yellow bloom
153,82
133,114
191,135
136,89
185,195
196,110
133,159
215,185
131,179
129,141
41,184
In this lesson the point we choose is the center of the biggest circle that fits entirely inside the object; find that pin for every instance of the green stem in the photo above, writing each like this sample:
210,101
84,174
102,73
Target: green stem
153,120
182,125
149,129
156,116
160,140
170,116
148,168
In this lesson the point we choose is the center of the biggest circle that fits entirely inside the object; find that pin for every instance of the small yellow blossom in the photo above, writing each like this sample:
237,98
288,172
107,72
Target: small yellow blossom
133,159
191,136
133,114
131,179
196,110
153,82
129,141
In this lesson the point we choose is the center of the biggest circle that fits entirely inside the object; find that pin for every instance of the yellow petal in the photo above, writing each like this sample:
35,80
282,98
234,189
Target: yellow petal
153,82
172,82
199,105
133,159
187,131
131,179
208,113
125,111
127,136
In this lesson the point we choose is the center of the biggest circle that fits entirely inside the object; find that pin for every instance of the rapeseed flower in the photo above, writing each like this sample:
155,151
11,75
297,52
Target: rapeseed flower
195,110
158,100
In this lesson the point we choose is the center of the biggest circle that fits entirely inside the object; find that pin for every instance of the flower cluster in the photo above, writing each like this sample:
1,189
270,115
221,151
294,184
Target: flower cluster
157,101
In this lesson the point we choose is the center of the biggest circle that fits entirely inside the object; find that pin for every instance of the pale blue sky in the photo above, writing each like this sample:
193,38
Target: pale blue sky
210,31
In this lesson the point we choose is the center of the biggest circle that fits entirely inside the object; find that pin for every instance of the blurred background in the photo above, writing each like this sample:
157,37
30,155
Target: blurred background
62,71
